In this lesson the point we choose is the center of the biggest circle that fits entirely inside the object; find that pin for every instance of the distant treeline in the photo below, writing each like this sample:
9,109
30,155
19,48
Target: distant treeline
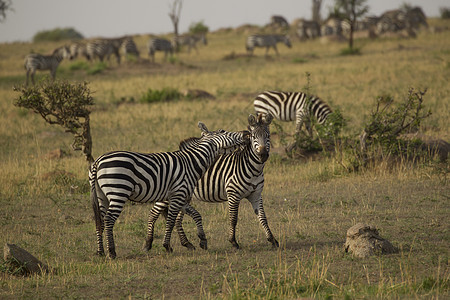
57,34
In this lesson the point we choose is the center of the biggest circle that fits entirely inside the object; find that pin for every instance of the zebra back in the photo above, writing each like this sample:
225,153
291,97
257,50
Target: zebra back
290,106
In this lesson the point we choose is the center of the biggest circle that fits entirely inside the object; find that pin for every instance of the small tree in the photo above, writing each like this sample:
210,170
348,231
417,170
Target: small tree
316,4
5,5
62,103
351,10
174,14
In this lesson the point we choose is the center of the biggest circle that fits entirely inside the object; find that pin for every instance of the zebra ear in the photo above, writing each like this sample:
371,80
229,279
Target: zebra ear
251,120
203,127
268,119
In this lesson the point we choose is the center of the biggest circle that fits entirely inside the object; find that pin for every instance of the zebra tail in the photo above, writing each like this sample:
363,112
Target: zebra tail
94,198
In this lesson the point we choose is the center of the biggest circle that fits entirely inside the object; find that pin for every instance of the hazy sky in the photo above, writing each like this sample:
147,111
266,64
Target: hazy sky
111,18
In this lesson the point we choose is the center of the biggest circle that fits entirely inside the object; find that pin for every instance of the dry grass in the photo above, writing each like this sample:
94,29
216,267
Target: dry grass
44,204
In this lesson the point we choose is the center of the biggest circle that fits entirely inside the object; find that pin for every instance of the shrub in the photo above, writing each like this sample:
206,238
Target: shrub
350,51
166,94
62,103
198,28
57,34
445,12
97,68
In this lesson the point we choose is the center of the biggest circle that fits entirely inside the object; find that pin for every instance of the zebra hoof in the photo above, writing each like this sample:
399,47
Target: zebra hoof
189,246
168,248
204,244
236,246
112,254
148,245
100,253
275,243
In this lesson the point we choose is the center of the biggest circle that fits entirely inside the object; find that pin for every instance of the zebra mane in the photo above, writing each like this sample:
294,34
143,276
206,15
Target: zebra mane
184,144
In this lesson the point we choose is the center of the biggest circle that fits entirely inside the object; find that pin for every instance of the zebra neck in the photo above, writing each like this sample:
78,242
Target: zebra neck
254,159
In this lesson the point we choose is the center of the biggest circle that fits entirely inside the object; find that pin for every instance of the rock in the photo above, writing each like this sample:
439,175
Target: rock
363,240
22,258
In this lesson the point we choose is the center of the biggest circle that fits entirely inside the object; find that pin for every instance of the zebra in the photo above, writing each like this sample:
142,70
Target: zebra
78,49
35,61
129,47
190,41
231,178
103,48
280,21
259,40
159,44
290,106
119,176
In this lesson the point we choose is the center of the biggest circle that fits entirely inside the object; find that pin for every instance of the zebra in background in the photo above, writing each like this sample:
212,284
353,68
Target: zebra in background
190,41
119,176
230,179
290,106
35,61
78,49
267,41
129,47
103,48
159,44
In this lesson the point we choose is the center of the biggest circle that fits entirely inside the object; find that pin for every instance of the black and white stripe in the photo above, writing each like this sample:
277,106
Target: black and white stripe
120,176
159,44
267,41
37,61
78,49
230,179
290,106
190,41
104,48
129,47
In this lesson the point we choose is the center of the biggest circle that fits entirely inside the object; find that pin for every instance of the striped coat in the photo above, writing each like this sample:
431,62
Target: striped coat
231,178
36,61
122,176
267,41
292,106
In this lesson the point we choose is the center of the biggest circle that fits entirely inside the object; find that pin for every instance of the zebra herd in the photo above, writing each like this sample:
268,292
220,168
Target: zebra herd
219,166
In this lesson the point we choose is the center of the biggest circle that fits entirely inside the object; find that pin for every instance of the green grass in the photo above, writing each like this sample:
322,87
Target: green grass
310,202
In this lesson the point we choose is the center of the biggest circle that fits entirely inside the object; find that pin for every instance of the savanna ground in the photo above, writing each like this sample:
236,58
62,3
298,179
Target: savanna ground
310,203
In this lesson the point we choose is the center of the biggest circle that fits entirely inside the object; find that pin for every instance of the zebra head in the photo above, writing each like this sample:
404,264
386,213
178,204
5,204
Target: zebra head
260,134
63,52
287,41
224,141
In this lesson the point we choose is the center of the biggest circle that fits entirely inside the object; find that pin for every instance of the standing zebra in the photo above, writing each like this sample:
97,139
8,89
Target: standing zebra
120,176
158,44
129,47
190,41
290,106
231,178
36,61
78,49
267,41
103,48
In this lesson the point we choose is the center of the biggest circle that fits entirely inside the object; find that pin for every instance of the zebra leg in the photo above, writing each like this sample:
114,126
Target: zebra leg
158,208
174,208
32,76
195,215
233,211
258,207
28,74
183,238
109,221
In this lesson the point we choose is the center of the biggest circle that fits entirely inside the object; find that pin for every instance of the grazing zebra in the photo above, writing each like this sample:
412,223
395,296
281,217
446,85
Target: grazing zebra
190,41
290,106
103,48
158,44
231,178
120,176
129,47
36,61
267,41
78,49
280,21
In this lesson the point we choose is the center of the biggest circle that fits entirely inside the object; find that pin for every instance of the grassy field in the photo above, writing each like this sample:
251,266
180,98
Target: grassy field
310,203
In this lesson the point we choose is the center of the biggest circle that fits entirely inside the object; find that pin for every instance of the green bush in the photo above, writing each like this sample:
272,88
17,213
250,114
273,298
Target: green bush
166,94
97,68
57,34
198,28
445,12
350,51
